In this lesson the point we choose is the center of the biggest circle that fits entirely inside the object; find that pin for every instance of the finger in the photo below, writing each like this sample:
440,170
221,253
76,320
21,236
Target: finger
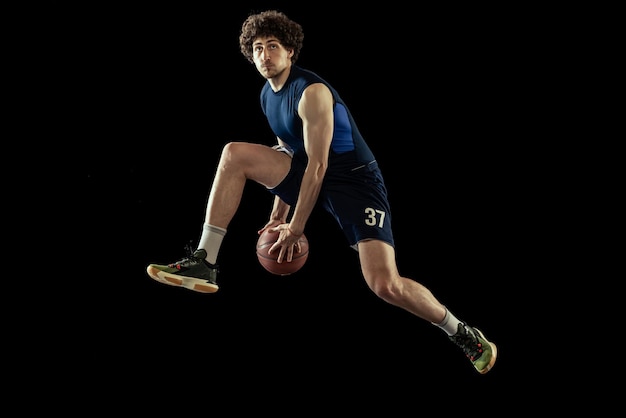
281,255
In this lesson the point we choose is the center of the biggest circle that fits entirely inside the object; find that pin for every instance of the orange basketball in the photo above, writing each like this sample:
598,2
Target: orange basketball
268,261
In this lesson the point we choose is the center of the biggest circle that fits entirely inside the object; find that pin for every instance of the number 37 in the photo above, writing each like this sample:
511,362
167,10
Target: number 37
374,217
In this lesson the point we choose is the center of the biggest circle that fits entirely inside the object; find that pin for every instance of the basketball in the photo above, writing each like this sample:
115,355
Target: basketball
268,261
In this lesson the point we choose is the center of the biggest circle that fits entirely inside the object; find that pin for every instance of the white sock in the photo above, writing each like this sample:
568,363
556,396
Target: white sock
450,323
211,241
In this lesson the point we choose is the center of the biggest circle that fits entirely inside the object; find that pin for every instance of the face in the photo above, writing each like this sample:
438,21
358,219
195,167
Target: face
270,57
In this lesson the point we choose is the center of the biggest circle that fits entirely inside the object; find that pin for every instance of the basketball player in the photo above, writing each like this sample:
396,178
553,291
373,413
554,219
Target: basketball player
320,155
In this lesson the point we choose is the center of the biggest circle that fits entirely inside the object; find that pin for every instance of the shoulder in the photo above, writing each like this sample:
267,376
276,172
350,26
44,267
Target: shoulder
305,76
265,88
317,90
309,83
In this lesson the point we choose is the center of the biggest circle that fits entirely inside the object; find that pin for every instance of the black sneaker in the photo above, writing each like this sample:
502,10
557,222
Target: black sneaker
481,352
192,272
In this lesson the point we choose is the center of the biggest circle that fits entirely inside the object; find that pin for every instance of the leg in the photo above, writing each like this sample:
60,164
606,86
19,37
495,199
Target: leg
239,162
381,275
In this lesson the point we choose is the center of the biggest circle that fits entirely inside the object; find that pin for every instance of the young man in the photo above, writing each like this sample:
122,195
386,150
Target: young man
320,156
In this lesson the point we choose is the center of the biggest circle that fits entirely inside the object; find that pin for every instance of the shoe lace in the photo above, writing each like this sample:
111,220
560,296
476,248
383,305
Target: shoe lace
189,250
467,339
189,258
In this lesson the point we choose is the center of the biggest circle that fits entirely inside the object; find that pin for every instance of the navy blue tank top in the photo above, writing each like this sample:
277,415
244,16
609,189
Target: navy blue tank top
281,110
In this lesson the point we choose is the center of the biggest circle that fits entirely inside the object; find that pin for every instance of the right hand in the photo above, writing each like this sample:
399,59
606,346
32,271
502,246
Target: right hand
287,242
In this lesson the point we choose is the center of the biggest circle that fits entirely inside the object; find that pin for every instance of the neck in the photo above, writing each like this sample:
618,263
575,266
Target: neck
278,81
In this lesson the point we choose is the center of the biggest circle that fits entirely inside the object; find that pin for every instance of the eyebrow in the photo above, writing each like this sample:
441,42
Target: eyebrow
268,41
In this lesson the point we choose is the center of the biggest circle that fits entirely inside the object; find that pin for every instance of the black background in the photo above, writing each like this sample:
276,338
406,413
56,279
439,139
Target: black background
146,96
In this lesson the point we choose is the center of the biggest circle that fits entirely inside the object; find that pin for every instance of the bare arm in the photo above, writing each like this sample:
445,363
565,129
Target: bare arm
279,213
316,111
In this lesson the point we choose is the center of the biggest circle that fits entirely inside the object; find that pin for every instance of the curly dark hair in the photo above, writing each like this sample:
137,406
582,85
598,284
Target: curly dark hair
271,23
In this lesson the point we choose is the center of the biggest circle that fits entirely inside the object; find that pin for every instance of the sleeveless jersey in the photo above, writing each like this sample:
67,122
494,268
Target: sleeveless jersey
281,110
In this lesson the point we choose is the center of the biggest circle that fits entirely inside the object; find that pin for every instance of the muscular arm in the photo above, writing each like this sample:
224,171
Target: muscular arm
316,110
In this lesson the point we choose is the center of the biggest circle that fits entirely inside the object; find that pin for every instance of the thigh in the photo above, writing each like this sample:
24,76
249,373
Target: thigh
289,187
261,163
378,259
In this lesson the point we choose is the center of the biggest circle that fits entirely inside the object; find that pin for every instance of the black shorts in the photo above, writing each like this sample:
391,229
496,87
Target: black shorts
356,196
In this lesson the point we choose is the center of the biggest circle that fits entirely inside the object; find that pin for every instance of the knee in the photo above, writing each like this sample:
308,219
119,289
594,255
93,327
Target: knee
232,153
229,150
383,287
